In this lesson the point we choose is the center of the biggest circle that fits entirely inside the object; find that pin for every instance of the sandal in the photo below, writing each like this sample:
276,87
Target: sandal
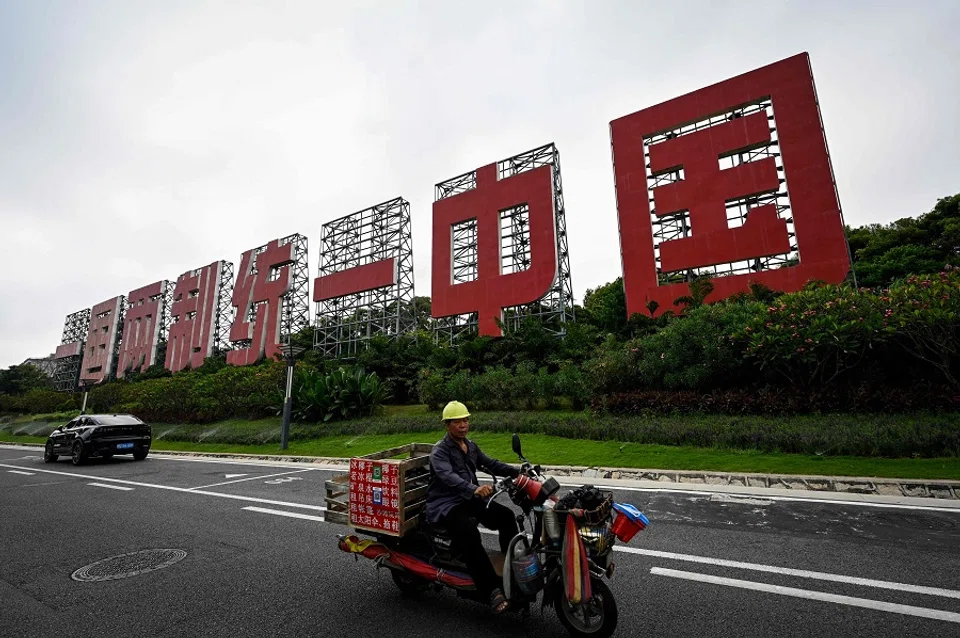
498,602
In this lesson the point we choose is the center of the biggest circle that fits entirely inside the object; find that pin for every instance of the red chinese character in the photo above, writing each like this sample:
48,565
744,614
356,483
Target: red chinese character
193,317
263,290
492,291
98,354
141,328
378,274
704,191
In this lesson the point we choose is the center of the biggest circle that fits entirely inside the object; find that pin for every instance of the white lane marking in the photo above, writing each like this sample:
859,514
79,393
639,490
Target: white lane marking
784,571
896,608
799,573
799,499
230,476
252,478
344,468
802,499
20,472
112,487
264,510
236,497
327,467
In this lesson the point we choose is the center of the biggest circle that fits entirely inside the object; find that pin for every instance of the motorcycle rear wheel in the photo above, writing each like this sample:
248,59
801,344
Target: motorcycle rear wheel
408,584
596,619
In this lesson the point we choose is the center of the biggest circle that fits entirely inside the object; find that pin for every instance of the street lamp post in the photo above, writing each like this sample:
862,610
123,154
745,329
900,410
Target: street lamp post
86,384
289,351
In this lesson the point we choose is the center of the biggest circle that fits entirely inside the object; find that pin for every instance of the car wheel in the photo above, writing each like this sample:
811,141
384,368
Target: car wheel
139,455
48,455
79,457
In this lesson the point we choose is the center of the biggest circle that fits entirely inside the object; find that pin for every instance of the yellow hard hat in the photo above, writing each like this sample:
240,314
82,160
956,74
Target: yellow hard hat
454,410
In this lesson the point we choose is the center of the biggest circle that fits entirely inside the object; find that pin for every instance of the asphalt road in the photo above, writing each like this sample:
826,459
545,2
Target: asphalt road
257,559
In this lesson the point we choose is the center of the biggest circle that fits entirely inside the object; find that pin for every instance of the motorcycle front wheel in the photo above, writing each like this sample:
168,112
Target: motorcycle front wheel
596,619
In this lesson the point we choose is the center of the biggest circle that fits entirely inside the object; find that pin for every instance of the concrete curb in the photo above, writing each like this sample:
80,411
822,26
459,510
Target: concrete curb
908,488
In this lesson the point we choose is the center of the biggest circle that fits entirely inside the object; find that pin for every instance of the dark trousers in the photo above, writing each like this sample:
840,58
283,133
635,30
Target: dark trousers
462,522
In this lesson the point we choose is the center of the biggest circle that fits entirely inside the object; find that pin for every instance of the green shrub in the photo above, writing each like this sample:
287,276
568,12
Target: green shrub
614,368
695,351
341,394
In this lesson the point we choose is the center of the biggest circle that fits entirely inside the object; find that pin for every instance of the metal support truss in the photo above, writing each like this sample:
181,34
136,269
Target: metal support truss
677,226
346,324
66,376
555,308
295,310
224,309
165,318
112,372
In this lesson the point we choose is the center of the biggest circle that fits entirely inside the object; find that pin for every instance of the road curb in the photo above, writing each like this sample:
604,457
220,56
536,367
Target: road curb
908,488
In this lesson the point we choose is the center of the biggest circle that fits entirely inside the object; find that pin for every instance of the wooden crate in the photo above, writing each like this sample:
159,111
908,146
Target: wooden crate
383,492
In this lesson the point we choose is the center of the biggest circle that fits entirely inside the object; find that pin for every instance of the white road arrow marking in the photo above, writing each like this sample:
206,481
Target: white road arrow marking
283,480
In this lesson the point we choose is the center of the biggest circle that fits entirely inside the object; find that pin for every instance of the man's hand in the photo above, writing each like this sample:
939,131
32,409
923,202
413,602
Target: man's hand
483,491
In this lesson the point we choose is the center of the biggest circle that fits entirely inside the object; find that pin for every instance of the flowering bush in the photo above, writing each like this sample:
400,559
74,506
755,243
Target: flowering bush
811,337
925,312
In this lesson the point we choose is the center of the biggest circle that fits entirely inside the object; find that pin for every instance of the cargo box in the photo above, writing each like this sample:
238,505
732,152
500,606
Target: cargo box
383,493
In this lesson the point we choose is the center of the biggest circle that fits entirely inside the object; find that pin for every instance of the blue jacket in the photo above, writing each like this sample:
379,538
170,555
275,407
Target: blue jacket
453,475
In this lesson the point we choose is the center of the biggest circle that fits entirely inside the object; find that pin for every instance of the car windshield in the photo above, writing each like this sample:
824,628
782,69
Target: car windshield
118,420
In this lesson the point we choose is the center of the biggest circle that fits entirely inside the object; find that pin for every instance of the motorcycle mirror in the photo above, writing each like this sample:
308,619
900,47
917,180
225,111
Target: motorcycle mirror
516,447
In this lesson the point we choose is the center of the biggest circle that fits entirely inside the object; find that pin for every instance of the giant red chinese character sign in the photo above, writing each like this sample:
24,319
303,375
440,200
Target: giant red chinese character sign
498,241
365,287
142,325
195,315
375,495
99,353
272,279
733,181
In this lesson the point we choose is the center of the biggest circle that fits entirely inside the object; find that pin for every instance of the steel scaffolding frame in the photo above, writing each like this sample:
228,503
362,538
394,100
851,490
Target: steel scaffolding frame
66,376
345,325
555,308
676,226
295,310
224,309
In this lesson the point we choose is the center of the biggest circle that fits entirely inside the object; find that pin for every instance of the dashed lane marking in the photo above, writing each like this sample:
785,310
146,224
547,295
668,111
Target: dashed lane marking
235,497
20,472
112,487
263,510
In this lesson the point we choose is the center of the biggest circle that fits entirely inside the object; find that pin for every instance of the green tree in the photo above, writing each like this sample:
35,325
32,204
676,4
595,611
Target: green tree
605,308
20,379
885,253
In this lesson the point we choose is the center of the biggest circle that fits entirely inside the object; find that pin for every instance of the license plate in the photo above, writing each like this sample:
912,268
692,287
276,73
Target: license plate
124,446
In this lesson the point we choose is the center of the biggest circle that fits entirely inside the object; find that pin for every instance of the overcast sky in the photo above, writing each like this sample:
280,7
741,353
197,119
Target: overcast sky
142,139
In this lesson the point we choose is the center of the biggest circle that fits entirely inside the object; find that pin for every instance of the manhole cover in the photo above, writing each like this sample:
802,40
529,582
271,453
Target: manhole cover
127,565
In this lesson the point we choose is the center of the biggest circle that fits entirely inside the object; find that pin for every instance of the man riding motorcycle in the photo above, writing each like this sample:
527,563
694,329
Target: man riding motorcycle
457,501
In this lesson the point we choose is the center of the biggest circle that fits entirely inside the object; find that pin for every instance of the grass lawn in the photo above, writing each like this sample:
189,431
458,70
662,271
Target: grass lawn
552,450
